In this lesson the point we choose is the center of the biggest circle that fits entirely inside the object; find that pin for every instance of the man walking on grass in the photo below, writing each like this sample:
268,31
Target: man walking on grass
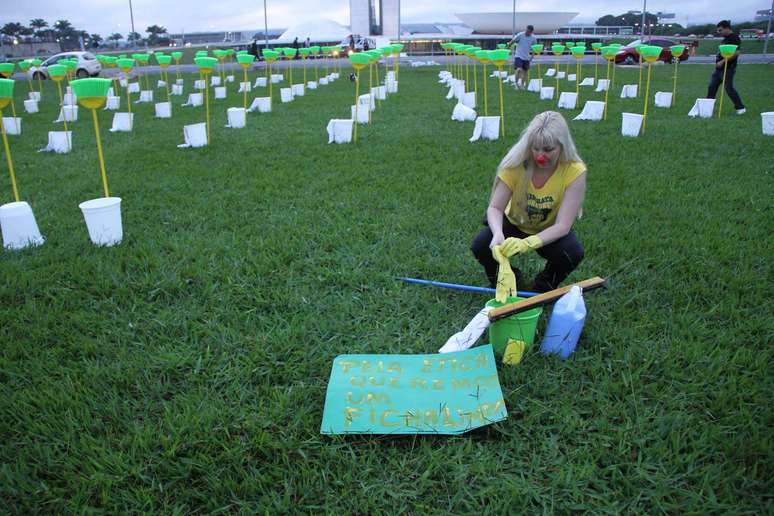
522,54
729,38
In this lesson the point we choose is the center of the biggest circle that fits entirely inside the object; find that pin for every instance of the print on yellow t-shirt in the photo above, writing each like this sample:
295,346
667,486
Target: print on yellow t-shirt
542,203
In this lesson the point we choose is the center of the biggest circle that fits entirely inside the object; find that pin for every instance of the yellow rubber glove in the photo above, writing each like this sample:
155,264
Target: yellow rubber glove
506,279
514,351
514,246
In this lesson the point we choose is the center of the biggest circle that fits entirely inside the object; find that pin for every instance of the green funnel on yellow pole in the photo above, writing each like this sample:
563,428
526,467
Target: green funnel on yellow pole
677,52
557,50
578,52
269,56
6,71
92,94
617,47
126,65
483,57
6,96
608,53
595,47
177,56
315,50
245,61
164,62
650,53
359,61
304,53
640,58
206,66
726,52
537,50
290,53
57,73
36,63
24,66
397,48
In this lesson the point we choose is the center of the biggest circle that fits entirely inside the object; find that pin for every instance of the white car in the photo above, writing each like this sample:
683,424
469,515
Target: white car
88,66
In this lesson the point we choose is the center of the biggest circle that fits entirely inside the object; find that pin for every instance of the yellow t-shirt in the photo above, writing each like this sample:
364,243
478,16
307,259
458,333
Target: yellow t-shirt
542,203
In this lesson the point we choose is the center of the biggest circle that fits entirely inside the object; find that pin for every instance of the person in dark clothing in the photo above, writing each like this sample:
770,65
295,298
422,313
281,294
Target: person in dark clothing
729,38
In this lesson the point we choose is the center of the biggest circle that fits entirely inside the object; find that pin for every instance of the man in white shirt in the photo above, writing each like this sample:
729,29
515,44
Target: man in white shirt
522,54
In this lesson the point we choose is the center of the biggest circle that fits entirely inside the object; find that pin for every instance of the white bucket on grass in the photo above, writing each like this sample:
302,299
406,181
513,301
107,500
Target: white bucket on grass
122,122
568,99
260,82
18,226
362,113
663,99
229,78
195,135
629,91
602,85
236,117
547,93
261,104
297,90
392,86
31,106
463,113
323,81
277,77
134,87
177,89
340,130
245,86
200,84
286,95
703,108
161,84
767,120
631,123
535,85
13,125
487,127
220,92
59,142
312,85
163,110
112,103
145,96
592,110
70,113
194,99
560,75
103,220
214,80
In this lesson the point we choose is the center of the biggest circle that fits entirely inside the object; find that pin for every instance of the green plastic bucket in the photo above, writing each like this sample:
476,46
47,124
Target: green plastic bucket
517,327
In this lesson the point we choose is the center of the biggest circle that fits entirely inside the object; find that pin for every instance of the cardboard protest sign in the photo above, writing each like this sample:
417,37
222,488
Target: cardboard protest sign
413,394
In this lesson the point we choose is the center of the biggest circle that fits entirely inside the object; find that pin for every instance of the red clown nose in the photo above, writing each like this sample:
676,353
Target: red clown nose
541,159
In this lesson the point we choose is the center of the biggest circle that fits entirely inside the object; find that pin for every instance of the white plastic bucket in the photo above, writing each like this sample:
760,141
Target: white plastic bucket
122,82
535,85
767,120
323,81
571,77
18,226
592,110
177,89
103,220
547,93
340,130
195,99
262,104
391,75
245,86
312,85
380,92
13,125
69,113
368,100
297,90
199,84
631,124
214,80
487,127
134,87
229,78
163,110
602,85
236,117
122,122
362,113
161,84
31,106
560,75
112,103
277,77
146,96
260,82
195,135
286,95
392,86
702,108
34,95
59,142
663,99
568,99
629,91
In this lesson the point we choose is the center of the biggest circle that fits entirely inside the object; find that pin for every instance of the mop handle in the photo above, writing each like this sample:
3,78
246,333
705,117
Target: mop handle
99,153
465,288
542,299
8,159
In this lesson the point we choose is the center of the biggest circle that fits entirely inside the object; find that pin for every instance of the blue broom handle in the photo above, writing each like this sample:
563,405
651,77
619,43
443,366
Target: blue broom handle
466,288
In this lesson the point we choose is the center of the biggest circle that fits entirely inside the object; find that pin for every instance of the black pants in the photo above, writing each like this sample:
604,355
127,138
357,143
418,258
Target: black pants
717,79
562,257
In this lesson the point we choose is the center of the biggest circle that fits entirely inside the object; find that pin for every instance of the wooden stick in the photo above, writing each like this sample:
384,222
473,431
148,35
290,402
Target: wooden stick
542,299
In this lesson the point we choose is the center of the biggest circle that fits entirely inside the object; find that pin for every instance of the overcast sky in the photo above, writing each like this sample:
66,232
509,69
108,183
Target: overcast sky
107,16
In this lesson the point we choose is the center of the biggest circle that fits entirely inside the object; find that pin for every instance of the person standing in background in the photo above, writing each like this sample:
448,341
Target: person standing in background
729,38
522,54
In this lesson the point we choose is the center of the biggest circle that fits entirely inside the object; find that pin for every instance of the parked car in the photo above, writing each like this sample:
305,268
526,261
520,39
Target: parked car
361,43
88,66
627,54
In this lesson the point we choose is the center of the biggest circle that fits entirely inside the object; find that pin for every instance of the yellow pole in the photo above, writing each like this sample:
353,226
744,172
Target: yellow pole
647,98
378,100
99,153
128,95
475,81
245,87
486,96
612,81
725,67
304,63
13,111
558,66
61,101
290,72
577,80
639,81
8,159
357,97
674,85
207,107
502,105
596,63
268,79
370,85
607,90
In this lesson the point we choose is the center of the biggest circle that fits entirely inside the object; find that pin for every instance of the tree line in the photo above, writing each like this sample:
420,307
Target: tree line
668,28
69,37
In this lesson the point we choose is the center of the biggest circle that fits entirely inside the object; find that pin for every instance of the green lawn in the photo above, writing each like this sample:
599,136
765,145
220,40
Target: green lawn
185,369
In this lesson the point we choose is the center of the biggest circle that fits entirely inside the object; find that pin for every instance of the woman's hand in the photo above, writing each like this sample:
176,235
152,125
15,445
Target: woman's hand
497,239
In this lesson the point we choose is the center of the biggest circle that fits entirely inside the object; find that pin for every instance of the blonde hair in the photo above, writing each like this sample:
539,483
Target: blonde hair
547,129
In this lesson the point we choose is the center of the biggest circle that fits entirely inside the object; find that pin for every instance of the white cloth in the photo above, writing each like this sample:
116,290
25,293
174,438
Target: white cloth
702,108
340,130
470,334
68,112
571,77
220,92
592,110
134,87
629,91
547,93
13,125
260,82
195,135
550,72
195,99
163,109
122,81
487,127
262,104
560,75
602,85
161,84
236,117
145,96
122,122
535,85
587,81
362,113
568,100
463,113
469,99
59,142
663,99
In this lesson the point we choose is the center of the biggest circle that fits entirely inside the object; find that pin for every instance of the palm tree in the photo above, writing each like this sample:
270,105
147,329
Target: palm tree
115,38
38,24
154,31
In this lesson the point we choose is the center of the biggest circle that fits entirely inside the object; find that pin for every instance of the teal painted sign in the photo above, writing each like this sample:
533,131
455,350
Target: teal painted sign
413,394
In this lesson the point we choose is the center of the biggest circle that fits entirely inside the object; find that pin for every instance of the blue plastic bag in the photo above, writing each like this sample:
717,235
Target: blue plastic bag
565,325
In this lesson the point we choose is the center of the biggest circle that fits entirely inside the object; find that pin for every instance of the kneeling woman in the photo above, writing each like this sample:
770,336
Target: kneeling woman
536,197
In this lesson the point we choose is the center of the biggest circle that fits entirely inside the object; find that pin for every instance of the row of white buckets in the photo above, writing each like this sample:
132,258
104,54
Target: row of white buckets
102,215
